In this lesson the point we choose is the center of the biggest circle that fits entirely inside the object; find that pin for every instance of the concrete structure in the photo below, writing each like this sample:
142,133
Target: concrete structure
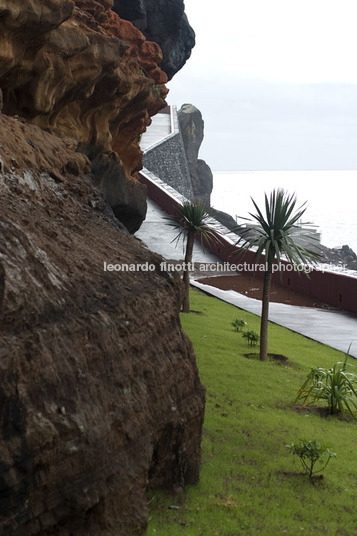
164,152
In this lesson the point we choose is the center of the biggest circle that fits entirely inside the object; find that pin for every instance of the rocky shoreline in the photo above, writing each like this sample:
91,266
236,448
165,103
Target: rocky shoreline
344,257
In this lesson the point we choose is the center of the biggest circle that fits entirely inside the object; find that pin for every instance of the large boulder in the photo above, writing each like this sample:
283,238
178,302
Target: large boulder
100,396
192,131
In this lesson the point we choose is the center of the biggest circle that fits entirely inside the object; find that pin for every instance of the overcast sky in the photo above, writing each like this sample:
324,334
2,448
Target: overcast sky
276,82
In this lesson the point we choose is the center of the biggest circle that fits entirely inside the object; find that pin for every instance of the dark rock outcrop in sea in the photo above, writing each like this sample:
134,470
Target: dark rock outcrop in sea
165,22
344,257
192,131
225,219
100,397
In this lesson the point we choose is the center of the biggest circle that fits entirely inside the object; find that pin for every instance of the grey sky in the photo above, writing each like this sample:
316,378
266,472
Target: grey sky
276,83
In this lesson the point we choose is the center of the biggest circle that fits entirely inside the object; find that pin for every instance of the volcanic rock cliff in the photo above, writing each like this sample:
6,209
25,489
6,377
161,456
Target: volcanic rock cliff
100,396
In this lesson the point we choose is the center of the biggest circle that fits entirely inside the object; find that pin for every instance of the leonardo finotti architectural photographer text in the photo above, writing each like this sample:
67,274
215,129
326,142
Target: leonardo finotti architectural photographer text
219,267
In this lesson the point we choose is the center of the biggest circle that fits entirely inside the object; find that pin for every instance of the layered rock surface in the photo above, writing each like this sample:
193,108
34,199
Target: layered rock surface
81,72
100,396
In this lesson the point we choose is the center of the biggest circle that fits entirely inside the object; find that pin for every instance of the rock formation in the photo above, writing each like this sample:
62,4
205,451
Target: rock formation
344,257
192,127
81,72
100,396
165,22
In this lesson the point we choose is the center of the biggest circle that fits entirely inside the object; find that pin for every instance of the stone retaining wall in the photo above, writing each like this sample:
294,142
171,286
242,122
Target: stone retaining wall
168,161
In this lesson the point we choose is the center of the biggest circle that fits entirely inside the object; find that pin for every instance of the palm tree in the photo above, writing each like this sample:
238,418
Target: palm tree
275,234
191,221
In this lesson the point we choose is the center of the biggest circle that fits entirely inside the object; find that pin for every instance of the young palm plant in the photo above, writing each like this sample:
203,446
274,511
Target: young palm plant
336,386
276,234
191,222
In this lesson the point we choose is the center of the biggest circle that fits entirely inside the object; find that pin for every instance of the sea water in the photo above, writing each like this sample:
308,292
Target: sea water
330,195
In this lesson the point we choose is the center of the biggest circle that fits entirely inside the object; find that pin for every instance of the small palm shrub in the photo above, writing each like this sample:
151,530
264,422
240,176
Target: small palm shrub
191,220
312,453
251,336
336,386
239,324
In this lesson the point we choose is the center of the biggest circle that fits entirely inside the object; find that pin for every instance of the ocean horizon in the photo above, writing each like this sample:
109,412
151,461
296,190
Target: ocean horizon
329,197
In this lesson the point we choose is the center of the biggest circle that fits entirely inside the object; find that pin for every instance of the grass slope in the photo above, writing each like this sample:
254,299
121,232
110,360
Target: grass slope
250,484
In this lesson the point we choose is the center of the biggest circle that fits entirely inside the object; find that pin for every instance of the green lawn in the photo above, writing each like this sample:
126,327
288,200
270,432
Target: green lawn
250,484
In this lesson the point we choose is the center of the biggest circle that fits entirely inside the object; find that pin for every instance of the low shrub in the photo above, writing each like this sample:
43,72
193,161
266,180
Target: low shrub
239,324
251,336
310,453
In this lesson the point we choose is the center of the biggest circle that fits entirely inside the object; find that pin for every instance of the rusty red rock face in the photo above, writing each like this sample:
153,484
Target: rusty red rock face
76,69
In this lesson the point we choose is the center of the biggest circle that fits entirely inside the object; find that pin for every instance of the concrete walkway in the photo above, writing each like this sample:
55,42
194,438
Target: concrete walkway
158,130
159,237
334,328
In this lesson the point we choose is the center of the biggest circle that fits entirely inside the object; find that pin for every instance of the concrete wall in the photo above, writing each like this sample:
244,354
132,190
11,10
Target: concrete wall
332,288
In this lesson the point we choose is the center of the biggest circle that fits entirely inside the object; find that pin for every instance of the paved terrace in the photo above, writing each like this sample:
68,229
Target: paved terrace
334,328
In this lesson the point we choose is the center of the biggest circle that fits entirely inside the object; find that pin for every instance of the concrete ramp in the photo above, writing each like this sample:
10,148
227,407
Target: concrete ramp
159,129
